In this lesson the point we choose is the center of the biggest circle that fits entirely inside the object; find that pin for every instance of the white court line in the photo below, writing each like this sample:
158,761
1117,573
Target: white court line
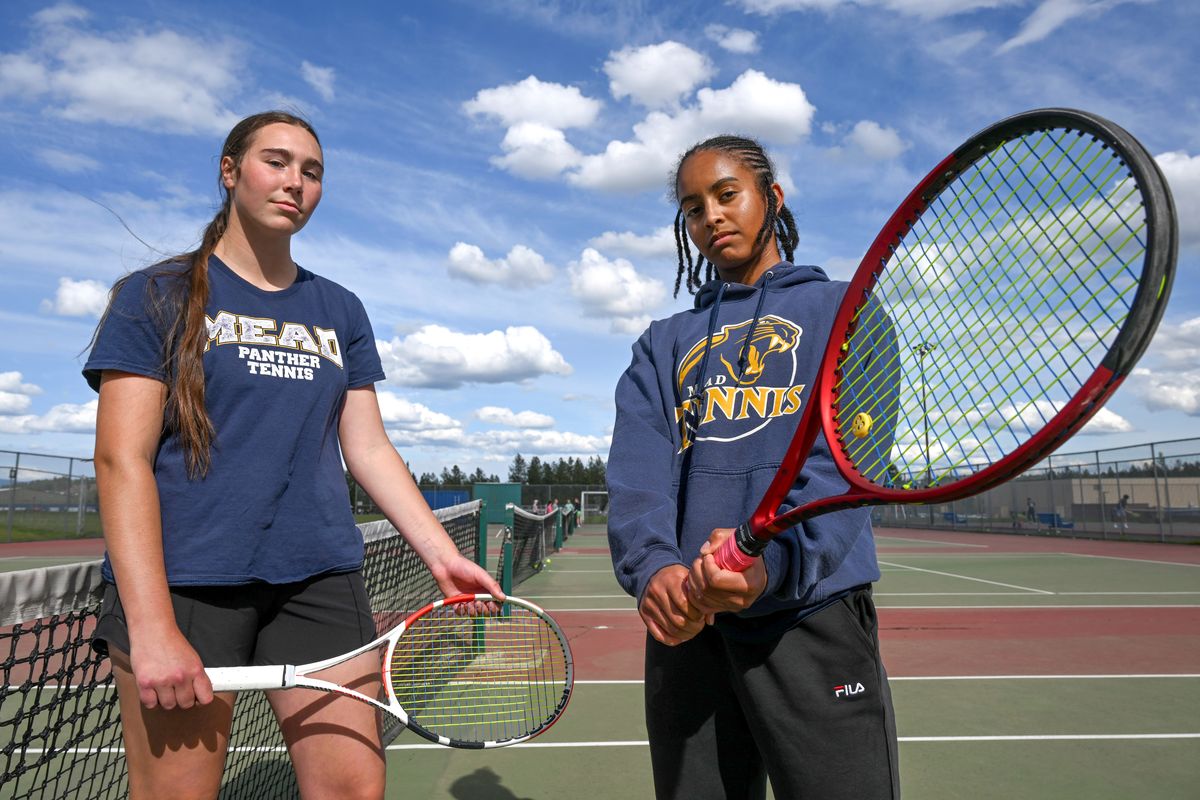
1075,737
967,578
1150,594
1038,606
952,594
1024,607
891,679
879,539
573,596
895,678
1135,560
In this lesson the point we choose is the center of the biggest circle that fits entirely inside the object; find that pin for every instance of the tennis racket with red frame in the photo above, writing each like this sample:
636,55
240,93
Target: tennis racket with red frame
462,680
1001,305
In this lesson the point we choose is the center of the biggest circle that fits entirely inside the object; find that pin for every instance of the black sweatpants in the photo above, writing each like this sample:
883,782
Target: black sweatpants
811,710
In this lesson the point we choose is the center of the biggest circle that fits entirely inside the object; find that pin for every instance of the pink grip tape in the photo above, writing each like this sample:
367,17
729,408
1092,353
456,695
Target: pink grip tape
729,556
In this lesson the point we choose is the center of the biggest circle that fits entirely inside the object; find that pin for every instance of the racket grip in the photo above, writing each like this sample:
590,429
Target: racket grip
738,552
236,679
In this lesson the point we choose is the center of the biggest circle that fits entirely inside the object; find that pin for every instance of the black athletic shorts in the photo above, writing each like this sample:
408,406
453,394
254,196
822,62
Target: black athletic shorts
258,623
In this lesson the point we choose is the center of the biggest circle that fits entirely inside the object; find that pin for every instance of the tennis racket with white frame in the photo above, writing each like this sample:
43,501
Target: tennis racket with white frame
455,678
1001,305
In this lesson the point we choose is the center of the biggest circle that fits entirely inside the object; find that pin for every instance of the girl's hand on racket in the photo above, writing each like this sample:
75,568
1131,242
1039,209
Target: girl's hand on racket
169,673
666,610
460,575
713,589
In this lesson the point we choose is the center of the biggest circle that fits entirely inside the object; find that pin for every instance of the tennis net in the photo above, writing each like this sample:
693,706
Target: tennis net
533,537
60,731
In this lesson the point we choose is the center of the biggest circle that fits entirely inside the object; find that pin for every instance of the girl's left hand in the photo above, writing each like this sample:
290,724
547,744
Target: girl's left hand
460,575
713,589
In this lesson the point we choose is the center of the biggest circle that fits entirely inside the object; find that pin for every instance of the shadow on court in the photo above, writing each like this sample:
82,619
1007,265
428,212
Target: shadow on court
482,784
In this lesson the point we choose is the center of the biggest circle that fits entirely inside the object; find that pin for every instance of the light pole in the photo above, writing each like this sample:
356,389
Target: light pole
923,349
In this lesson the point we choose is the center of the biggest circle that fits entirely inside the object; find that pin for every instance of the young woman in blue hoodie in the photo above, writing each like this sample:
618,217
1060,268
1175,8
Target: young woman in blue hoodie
774,672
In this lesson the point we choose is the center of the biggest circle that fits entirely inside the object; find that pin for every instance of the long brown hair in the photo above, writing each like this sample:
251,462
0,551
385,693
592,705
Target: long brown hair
178,297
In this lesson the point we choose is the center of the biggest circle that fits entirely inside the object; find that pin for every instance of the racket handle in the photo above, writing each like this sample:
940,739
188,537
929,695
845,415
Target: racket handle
236,679
739,551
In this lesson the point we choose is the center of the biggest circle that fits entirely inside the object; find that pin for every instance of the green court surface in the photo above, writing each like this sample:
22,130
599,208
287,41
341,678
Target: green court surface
1085,724
1022,667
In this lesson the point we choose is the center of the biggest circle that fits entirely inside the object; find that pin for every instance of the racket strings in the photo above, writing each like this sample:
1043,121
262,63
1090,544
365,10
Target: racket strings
483,678
1045,235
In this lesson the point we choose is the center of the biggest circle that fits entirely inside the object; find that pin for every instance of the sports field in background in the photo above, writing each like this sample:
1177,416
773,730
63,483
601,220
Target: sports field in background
1022,667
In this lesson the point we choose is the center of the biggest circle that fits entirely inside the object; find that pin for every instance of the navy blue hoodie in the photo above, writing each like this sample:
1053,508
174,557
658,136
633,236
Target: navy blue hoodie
680,466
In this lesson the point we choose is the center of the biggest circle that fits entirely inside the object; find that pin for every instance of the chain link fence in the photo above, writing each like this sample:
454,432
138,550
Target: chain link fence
1080,494
47,497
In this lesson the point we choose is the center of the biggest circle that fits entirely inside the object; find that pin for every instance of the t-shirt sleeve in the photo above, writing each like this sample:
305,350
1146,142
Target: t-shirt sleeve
128,338
363,366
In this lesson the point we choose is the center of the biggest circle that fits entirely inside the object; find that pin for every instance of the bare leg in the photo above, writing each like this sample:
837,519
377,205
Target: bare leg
334,740
178,753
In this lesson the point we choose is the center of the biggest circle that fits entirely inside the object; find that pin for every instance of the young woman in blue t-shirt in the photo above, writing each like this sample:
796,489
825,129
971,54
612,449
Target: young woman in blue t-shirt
232,384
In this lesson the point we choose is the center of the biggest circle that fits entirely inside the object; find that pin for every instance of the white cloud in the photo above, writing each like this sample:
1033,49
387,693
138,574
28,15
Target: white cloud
438,357
85,298
925,9
536,151
735,40
549,104
319,78
1170,379
659,244
1052,15
13,403
657,75
60,14
497,415
615,291
753,104
160,81
1183,176
1106,421
410,423
1176,390
69,163
12,382
559,444
522,267
875,141
63,418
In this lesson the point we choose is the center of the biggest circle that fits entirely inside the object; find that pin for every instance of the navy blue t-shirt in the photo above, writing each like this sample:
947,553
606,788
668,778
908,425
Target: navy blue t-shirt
274,505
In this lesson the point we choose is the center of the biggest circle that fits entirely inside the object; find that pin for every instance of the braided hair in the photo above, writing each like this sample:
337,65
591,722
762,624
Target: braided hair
778,219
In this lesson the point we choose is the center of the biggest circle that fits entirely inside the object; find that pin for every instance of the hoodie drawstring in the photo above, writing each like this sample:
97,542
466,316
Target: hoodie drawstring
762,295
698,385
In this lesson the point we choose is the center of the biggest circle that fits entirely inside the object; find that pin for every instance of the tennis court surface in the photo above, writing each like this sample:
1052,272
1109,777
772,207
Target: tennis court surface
1022,667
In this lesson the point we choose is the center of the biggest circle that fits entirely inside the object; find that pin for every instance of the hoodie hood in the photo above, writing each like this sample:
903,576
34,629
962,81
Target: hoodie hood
782,276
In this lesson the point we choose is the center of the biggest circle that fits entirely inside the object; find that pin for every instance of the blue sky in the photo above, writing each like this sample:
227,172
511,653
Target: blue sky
497,174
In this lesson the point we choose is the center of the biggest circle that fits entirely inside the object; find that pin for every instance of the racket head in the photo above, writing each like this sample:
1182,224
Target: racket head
1001,305
478,681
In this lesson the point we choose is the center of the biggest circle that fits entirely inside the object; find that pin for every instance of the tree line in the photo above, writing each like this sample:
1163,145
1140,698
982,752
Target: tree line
535,471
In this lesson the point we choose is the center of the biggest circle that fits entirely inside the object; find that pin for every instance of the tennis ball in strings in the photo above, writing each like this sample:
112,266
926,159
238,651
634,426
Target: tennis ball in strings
861,426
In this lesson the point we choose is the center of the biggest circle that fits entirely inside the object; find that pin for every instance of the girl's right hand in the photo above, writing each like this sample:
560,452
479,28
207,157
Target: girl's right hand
169,673
665,609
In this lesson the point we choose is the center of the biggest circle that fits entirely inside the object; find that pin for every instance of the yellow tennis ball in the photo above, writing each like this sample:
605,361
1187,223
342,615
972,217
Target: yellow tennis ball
861,425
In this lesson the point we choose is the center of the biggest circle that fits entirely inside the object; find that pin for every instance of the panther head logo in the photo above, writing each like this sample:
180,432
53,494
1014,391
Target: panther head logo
770,336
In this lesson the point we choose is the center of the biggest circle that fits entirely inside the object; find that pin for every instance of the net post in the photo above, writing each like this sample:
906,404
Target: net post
481,547
558,529
506,572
